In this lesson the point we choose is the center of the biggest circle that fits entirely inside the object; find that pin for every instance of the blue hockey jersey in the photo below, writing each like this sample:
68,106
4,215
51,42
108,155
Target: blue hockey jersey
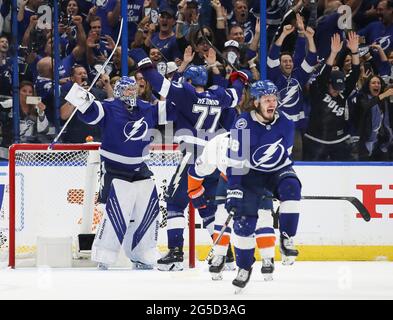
379,33
198,114
292,102
125,134
257,146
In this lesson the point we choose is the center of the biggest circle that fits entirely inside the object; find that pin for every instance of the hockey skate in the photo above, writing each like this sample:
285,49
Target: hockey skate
230,260
217,267
287,249
102,266
136,265
241,280
267,269
172,261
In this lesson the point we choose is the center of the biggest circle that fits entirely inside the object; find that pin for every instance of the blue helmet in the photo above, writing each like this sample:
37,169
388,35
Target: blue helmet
197,75
263,88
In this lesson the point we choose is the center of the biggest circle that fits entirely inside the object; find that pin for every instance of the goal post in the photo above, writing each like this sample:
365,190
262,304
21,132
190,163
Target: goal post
48,190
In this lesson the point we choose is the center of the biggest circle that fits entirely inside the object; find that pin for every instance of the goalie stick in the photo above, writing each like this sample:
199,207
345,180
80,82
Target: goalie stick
91,86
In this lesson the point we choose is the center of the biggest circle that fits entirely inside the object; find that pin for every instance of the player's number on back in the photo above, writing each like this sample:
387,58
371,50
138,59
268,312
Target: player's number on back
234,145
204,112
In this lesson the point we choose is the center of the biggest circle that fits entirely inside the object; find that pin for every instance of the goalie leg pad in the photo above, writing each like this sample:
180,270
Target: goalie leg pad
140,241
112,229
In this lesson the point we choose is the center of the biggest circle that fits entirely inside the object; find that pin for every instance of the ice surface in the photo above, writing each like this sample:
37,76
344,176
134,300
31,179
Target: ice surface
304,280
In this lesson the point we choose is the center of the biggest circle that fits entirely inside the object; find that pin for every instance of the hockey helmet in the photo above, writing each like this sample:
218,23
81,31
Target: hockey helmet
121,86
263,88
197,75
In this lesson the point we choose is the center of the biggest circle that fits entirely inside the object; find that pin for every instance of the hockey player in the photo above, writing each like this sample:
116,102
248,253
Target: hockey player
260,147
126,187
214,156
198,114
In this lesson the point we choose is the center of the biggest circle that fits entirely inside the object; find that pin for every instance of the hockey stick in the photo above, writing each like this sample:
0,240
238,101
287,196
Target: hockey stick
90,87
226,223
353,200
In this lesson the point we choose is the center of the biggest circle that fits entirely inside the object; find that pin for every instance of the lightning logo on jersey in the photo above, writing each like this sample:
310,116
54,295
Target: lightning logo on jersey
384,42
135,130
268,156
290,94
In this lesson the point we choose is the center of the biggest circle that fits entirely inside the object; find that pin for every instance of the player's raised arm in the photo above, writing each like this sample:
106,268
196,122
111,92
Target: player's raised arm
166,88
90,110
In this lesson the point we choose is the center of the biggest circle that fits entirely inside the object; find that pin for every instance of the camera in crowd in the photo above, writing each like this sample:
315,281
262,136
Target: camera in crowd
36,43
66,20
37,40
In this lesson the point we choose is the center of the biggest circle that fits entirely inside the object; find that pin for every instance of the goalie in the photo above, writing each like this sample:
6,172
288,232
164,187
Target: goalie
126,187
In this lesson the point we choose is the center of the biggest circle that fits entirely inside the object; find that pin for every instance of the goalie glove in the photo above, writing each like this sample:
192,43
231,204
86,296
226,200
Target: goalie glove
140,57
80,98
242,76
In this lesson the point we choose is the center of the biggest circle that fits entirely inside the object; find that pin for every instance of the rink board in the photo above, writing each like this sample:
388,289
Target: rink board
328,230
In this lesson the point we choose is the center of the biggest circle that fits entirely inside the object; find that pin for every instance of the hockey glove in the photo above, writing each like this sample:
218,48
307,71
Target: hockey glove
242,76
197,197
234,200
140,57
79,97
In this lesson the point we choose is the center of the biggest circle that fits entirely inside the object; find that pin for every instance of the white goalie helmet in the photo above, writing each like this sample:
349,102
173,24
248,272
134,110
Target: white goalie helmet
126,90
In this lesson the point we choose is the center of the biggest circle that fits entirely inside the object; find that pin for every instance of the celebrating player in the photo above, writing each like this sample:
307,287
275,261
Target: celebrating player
261,145
198,114
126,187
214,156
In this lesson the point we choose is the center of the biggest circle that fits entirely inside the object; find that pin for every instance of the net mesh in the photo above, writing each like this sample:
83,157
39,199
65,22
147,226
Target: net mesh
50,191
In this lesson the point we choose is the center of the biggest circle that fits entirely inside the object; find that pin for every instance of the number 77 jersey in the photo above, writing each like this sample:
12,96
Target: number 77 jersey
198,114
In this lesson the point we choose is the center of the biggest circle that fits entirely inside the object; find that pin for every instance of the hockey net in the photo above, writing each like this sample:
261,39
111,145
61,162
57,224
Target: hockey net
51,190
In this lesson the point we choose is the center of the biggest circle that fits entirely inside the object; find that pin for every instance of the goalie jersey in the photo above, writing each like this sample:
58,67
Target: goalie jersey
125,134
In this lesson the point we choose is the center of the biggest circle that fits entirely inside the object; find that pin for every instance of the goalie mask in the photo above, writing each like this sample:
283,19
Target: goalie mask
126,90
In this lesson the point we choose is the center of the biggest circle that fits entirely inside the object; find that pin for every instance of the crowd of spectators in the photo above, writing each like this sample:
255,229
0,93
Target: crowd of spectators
331,60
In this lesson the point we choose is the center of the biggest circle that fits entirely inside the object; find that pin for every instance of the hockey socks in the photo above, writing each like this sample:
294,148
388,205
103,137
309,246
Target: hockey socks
175,228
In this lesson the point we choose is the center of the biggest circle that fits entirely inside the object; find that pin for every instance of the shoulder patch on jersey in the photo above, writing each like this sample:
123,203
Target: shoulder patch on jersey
109,99
215,87
241,123
177,84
